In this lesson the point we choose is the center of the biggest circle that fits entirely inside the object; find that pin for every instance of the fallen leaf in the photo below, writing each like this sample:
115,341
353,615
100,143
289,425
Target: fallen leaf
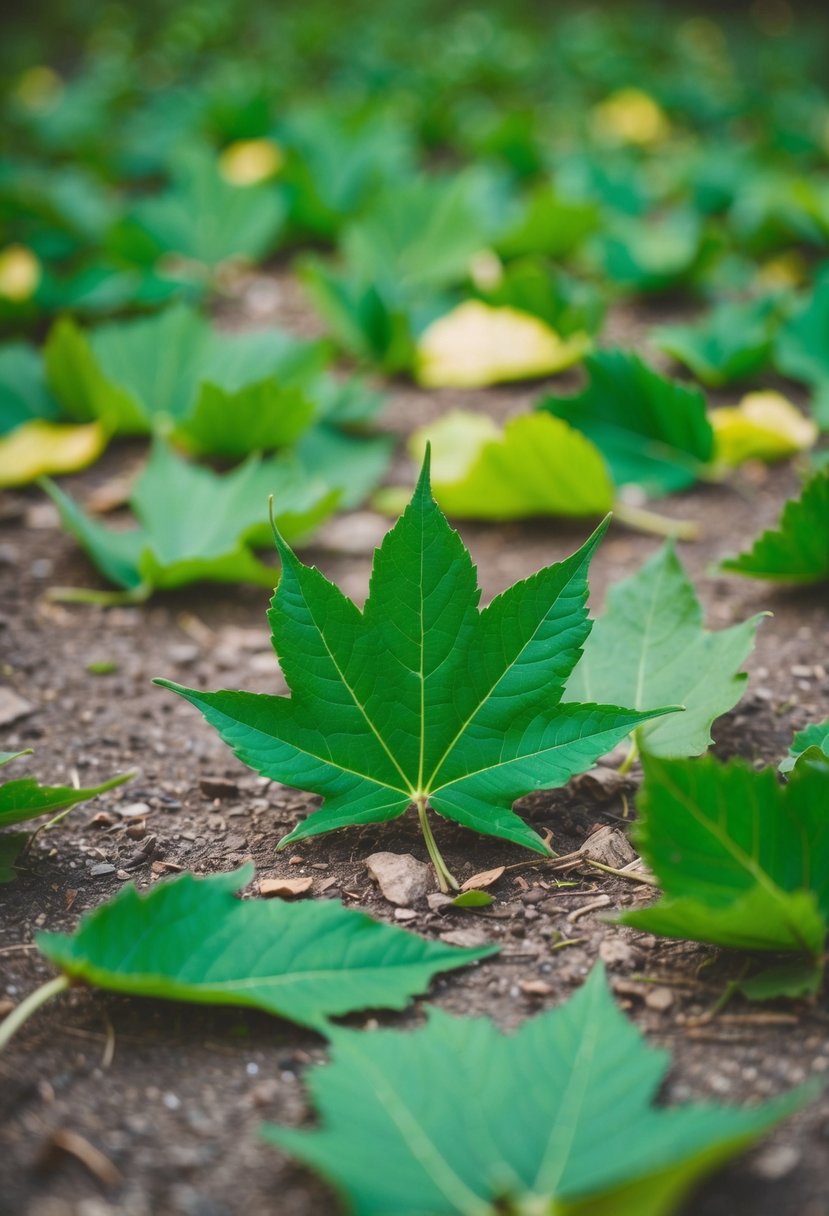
38,448
486,878
764,426
477,344
284,888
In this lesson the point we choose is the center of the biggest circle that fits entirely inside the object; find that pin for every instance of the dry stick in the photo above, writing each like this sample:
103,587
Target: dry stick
11,1024
630,875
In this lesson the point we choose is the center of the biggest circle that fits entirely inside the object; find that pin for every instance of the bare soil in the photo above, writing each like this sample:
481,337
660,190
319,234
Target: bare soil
171,1095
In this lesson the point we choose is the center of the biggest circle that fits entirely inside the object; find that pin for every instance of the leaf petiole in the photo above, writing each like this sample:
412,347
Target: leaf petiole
12,1023
105,599
643,520
446,880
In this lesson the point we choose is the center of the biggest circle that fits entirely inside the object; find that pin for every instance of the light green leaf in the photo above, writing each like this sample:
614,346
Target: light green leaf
189,939
136,374
563,1121
362,316
732,342
350,464
653,253
802,346
420,698
203,217
649,648
195,524
537,465
653,432
743,861
797,550
815,735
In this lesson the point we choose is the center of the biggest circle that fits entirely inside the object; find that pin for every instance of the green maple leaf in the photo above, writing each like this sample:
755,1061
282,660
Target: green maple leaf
23,391
563,1121
25,799
797,550
236,393
195,524
732,342
649,648
189,939
743,861
362,316
653,432
205,218
420,698
813,736
801,347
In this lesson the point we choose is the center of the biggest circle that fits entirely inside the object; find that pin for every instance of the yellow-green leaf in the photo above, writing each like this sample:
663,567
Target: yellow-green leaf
37,448
763,426
477,344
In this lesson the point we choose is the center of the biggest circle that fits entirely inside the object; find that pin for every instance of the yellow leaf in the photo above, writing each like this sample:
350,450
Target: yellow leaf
19,273
38,447
39,89
764,426
477,344
630,116
250,161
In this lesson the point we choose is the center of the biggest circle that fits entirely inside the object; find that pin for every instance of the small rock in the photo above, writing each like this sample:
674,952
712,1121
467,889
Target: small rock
284,888
218,787
535,987
183,653
356,534
616,952
660,998
134,810
468,938
776,1162
102,868
402,879
601,784
437,901
13,707
608,846
405,914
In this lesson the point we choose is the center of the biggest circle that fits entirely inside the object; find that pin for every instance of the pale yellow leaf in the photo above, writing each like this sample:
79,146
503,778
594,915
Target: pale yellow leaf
477,344
38,448
630,116
250,161
763,426
19,273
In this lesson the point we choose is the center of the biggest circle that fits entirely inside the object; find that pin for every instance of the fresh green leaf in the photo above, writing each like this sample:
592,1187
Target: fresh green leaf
537,465
217,383
350,464
473,899
420,698
653,432
654,253
801,349
563,1119
531,286
189,939
362,317
797,550
23,392
548,224
204,217
732,342
7,757
742,860
195,524
649,648
815,735
26,798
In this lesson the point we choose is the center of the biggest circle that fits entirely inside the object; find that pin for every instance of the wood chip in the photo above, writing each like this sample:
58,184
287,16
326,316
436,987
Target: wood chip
609,846
535,987
486,878
284,888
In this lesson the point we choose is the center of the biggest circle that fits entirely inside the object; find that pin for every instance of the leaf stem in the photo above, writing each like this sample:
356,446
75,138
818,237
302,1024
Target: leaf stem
106,599
630,759
12,1023
657,525
446,880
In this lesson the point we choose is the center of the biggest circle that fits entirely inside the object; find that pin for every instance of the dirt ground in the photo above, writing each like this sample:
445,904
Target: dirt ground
172,1095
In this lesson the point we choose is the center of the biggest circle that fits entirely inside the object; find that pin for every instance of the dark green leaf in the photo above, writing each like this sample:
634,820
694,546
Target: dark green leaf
420,697
653,432
189,939
732,342
815,735
797,550
458,1119
743,861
